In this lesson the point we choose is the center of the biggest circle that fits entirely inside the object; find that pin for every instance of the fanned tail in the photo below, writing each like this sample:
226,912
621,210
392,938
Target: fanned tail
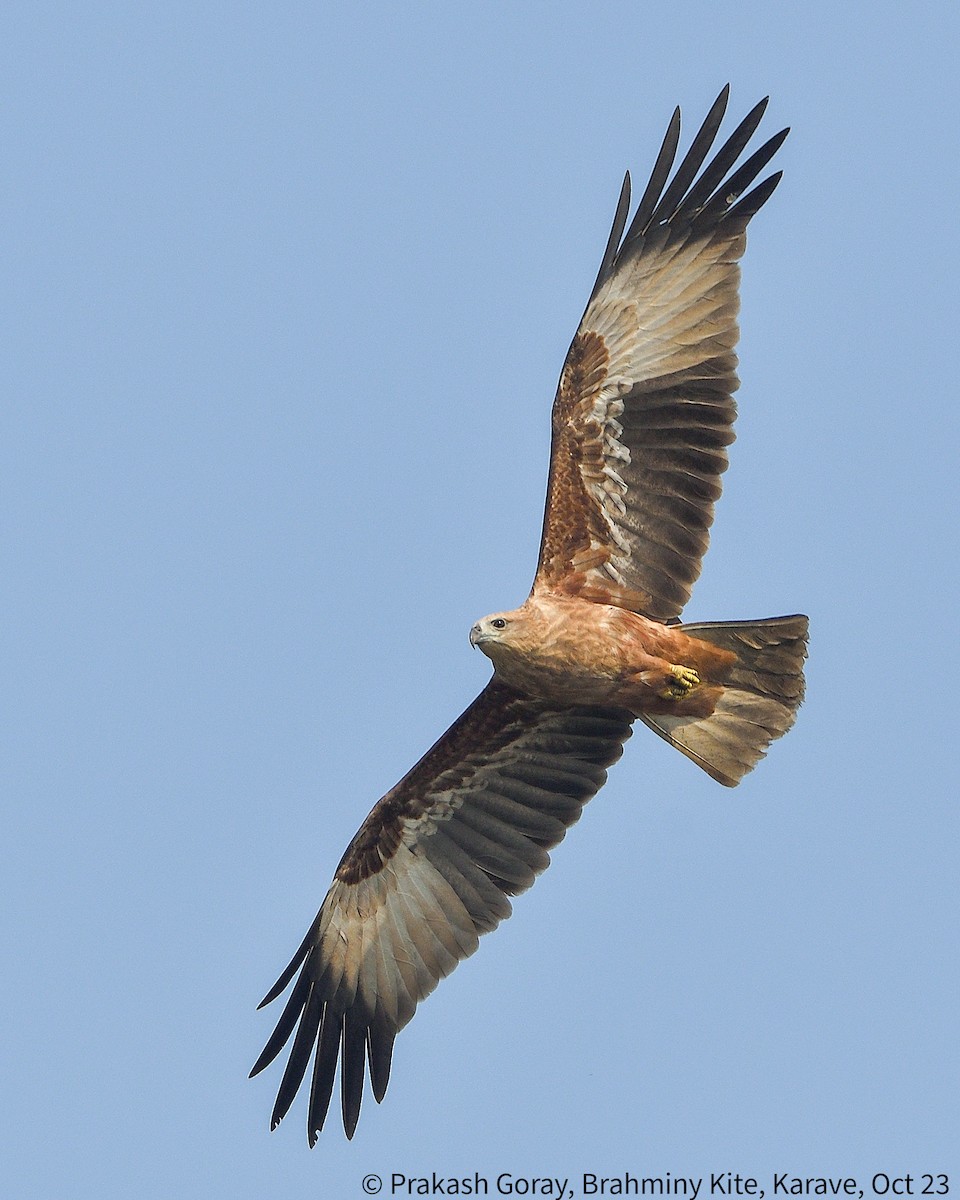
761,694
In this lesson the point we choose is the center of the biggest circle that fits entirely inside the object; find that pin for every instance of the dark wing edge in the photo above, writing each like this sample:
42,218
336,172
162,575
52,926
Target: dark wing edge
428,872
644,409
710,200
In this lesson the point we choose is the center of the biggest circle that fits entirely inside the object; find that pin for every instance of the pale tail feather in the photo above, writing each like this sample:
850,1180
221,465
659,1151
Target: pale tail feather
762,692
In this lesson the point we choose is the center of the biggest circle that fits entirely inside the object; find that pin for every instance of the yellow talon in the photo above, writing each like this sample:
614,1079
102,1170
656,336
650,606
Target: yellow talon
684,680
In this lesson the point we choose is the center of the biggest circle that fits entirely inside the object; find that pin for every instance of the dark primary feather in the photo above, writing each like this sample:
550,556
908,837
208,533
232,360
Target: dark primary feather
616,231
658,178
728,154
691,164
725,199
429,871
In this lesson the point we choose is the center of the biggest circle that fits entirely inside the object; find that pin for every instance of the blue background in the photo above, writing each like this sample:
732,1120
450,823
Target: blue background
287,288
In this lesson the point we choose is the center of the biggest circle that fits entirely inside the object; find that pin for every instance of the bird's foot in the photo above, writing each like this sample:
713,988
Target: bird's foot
681,683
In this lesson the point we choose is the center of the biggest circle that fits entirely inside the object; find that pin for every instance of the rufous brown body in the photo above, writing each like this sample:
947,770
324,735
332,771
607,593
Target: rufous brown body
578,652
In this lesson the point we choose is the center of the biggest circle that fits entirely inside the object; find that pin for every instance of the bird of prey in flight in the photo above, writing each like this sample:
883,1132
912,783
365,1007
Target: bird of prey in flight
642,419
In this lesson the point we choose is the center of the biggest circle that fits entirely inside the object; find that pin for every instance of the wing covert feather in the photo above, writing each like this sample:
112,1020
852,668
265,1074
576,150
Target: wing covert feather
644,409
428,872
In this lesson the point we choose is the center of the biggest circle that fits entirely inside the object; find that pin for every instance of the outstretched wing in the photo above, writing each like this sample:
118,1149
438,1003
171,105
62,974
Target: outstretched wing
428,872
644,409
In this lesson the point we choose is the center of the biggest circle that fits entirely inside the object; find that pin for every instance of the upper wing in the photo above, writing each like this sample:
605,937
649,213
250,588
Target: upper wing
428,872
644,409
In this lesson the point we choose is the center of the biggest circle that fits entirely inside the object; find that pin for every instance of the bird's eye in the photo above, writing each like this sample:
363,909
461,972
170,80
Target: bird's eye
498,623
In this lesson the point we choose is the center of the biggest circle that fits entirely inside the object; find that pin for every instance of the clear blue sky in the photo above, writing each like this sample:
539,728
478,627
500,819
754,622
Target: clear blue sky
287,289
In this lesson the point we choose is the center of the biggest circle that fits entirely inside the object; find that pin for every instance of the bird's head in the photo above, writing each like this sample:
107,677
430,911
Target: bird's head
497,634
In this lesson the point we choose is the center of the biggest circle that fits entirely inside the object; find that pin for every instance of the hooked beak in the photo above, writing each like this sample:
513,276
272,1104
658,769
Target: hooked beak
475,635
